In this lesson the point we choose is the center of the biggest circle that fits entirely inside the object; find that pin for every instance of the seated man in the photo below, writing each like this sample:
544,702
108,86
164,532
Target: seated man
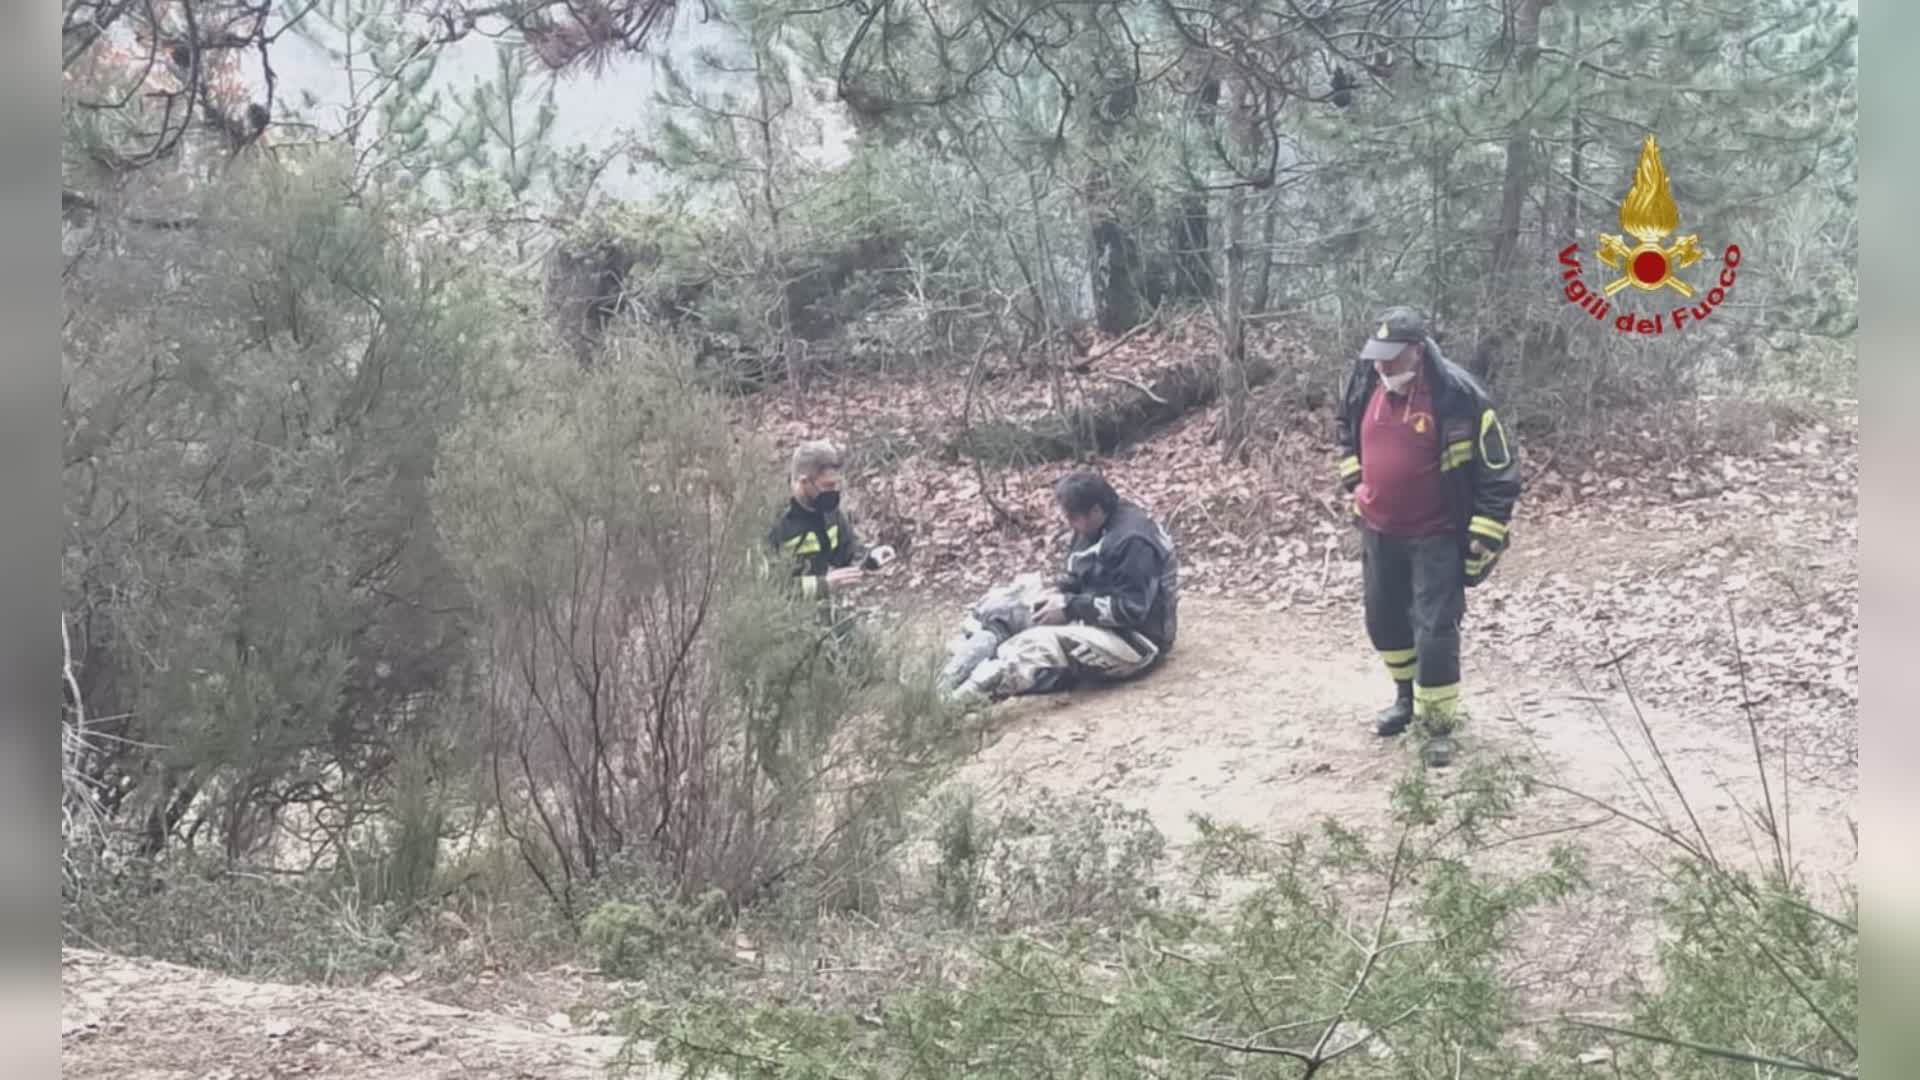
1112,615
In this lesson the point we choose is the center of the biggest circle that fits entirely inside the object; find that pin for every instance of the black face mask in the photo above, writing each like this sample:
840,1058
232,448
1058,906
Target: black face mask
826,501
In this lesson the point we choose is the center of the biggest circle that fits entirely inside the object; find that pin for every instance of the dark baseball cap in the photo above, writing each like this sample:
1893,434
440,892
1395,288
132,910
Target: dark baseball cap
1398,328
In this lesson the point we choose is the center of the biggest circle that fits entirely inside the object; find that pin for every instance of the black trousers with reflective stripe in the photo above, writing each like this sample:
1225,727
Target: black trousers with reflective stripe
1416,595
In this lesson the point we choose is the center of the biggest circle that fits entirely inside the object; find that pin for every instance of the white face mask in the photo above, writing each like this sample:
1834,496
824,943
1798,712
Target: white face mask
1396,383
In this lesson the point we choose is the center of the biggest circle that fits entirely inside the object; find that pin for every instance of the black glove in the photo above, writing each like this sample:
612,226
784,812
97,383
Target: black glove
1479,563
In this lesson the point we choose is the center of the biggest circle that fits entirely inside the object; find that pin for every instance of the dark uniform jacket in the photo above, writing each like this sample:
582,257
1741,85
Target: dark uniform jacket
1476,459
814,543
1126,579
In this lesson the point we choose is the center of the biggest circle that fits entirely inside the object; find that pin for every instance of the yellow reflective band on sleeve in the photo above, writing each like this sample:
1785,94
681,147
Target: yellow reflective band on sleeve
1456,454
1494,455
1349,466
810,587
833,537
1478,563
1482,525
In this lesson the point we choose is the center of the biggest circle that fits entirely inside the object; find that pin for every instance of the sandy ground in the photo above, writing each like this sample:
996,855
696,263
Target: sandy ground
1261,718
134,1019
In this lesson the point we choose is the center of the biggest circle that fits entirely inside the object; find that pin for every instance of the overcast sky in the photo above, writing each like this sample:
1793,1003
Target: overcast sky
594,111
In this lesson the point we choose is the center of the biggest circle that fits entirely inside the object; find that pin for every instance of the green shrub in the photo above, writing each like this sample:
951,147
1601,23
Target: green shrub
635,940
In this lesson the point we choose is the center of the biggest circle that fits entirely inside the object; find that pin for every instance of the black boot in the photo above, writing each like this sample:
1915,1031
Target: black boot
1394,718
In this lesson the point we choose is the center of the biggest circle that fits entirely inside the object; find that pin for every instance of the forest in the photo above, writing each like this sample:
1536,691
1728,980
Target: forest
430,369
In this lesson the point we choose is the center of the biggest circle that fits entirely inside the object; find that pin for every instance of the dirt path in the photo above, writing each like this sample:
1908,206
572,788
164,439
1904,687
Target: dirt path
1262,718
134,1019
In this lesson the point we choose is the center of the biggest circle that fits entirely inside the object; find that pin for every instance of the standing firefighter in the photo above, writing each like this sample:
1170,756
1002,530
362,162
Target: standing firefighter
1433,480
813,535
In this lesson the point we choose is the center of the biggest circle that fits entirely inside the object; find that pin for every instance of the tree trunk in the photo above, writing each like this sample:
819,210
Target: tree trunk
1116,265
1192,247
1263,259
1231,312
585,288
1574,170
1115,259
168,811
1524,40
770,105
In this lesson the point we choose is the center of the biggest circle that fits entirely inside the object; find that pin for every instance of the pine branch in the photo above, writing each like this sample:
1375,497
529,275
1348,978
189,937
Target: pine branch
1789,1064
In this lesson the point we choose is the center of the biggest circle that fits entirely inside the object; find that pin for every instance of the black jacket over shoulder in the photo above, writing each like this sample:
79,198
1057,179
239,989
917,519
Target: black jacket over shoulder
1478,461
1126,579
814,543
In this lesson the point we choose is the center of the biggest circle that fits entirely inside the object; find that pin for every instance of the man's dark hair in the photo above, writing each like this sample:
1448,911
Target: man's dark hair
1083,489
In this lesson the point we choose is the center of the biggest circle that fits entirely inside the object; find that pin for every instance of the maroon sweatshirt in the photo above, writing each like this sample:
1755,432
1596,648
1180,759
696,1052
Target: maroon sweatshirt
1400,492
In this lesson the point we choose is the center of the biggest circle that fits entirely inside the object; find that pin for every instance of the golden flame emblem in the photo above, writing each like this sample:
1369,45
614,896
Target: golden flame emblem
1648,214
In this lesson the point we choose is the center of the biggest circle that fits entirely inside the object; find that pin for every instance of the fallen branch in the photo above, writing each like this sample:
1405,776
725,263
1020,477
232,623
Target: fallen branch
1124,381
1081,367
1170,394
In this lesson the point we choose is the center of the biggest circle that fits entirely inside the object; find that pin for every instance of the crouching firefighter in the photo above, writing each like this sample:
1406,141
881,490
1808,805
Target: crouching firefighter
1111,616
813,536
1434,481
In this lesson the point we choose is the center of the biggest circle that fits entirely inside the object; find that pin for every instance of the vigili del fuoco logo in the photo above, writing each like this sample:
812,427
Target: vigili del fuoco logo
1647,214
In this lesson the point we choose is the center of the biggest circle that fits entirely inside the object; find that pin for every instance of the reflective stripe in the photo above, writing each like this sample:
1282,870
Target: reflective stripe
1490,425
808,543
1487,527
1436,705
1400,663
810,586
1456,454
1349,465
1477,563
